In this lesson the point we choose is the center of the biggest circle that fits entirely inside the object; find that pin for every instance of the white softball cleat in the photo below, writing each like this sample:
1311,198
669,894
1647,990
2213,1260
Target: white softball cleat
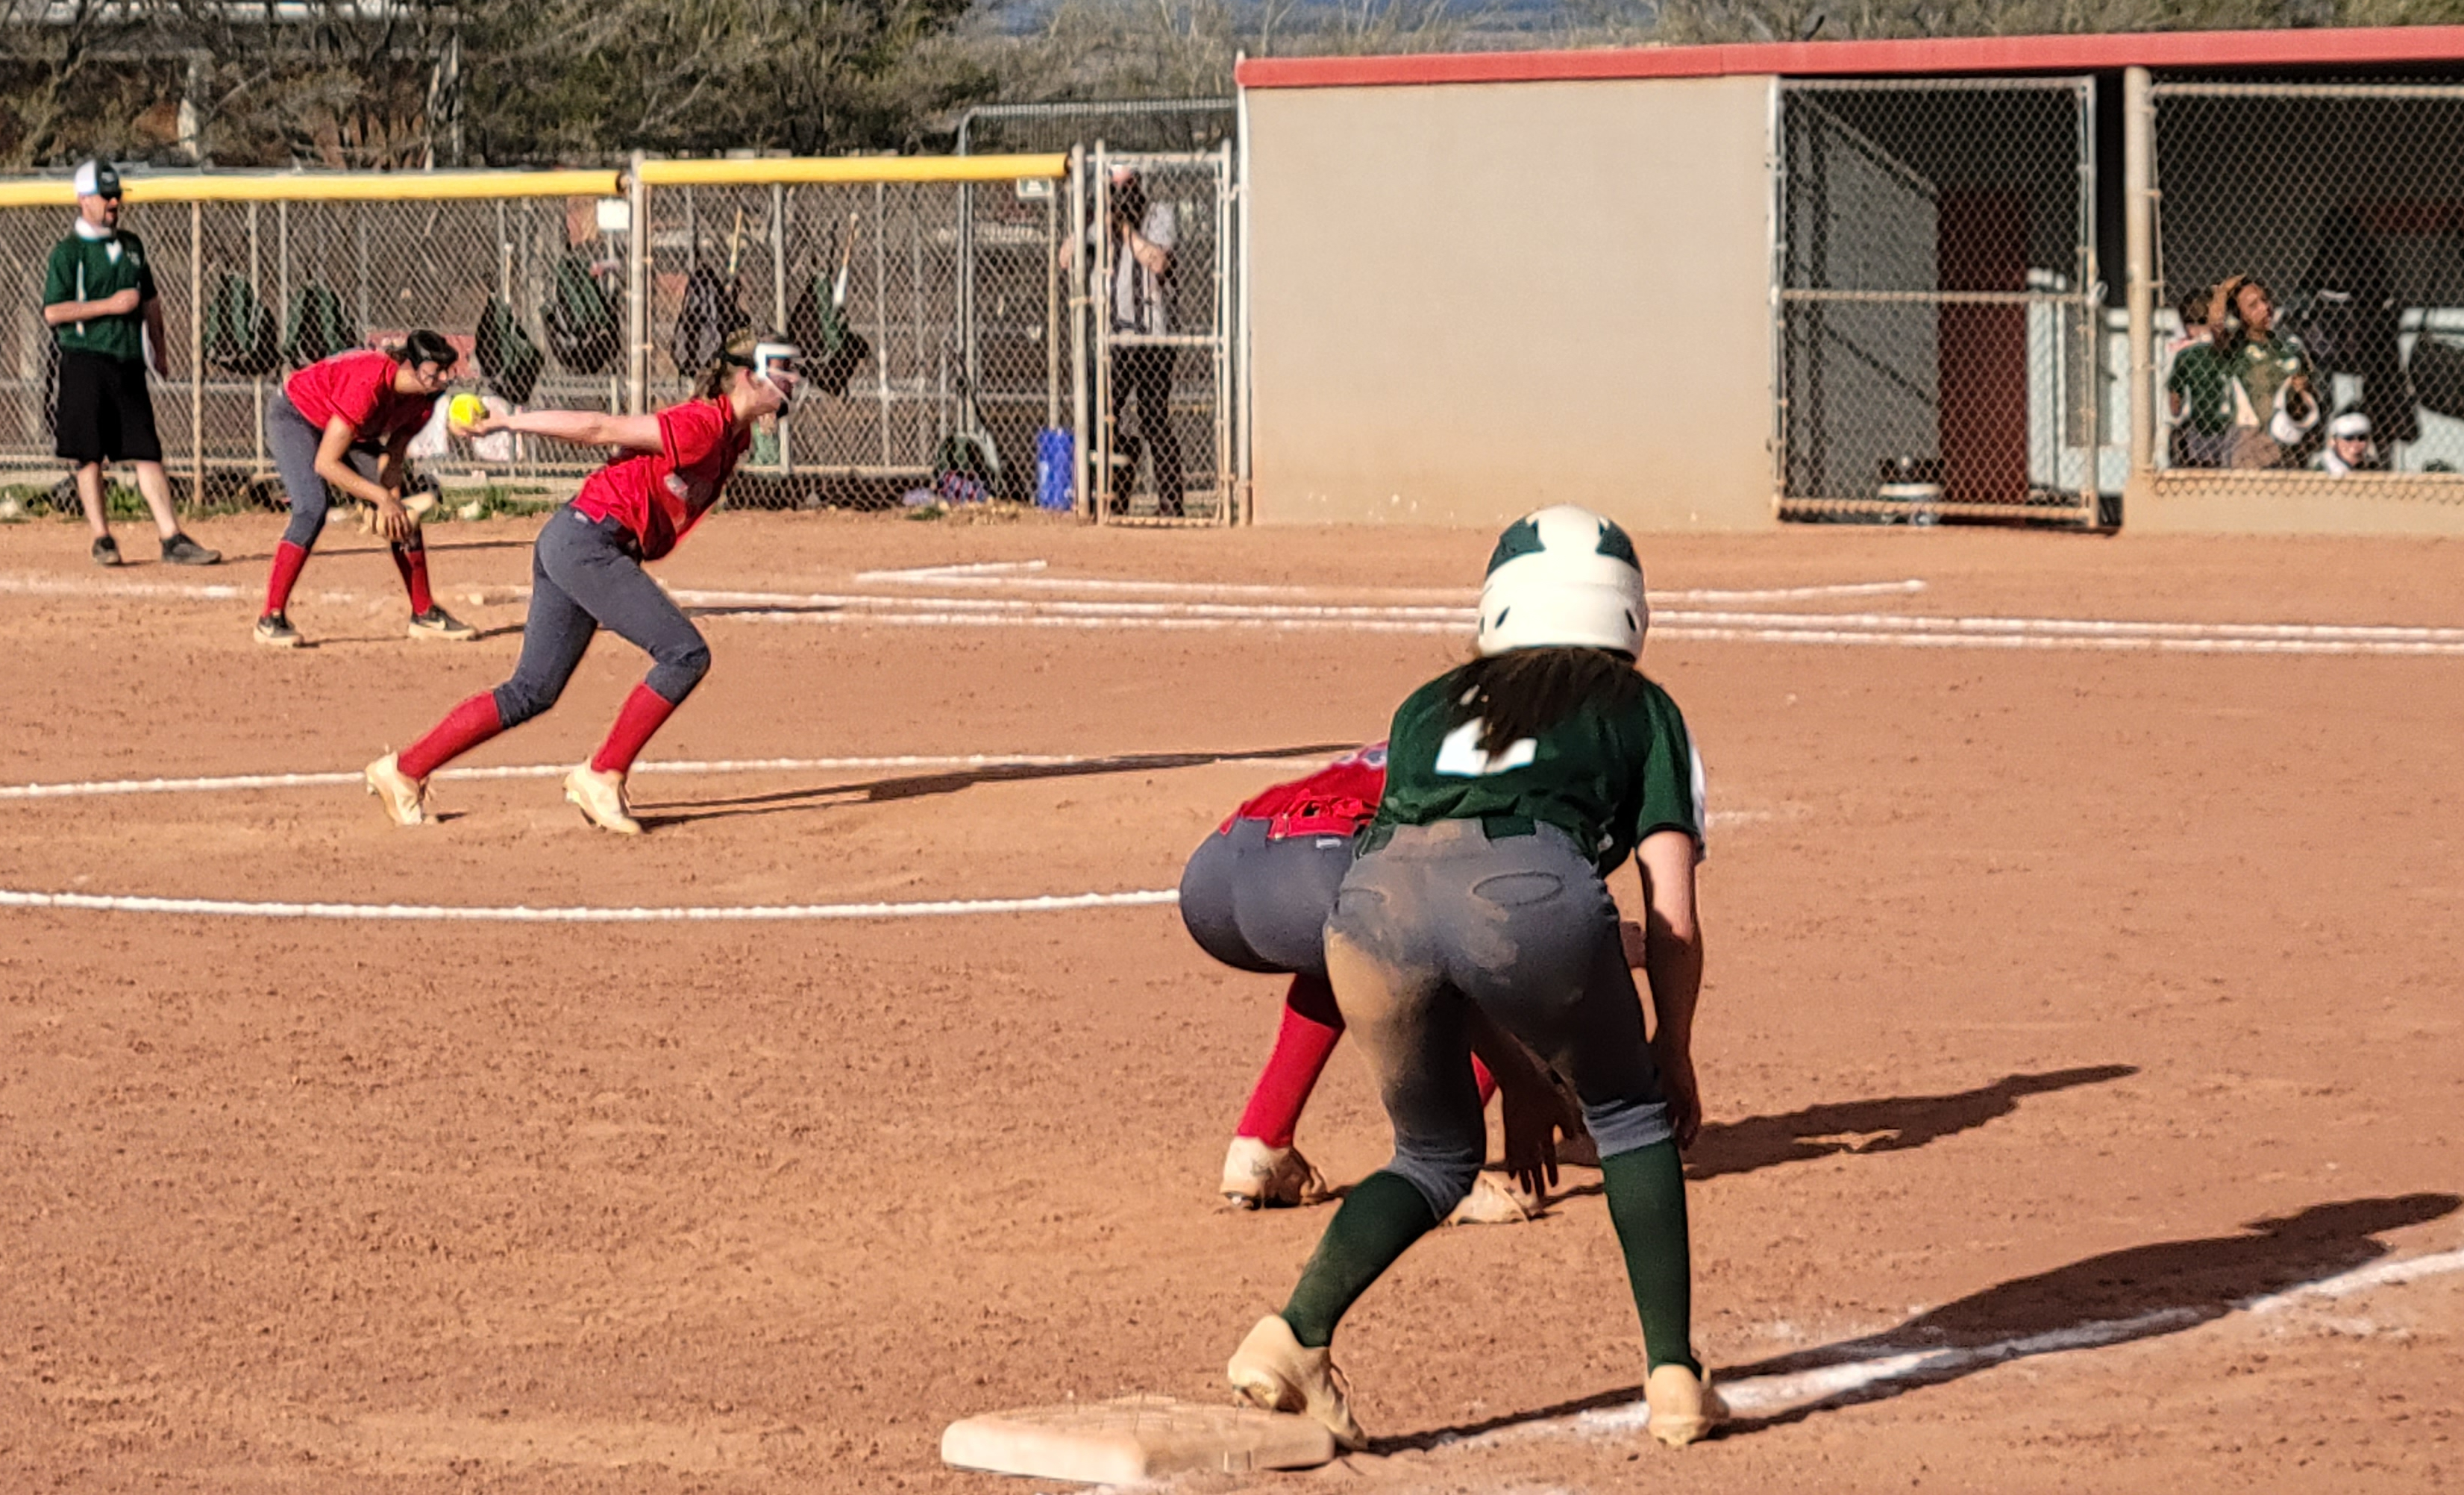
601,798
404,799
1274,1372
1259,1176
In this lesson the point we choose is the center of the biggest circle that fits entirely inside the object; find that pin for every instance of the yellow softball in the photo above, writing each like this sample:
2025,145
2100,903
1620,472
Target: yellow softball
465,409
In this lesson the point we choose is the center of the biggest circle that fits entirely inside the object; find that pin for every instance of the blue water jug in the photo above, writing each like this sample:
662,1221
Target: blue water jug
1056,472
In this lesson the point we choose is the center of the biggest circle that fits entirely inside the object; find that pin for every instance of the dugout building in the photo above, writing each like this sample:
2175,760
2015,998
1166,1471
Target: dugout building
1724,288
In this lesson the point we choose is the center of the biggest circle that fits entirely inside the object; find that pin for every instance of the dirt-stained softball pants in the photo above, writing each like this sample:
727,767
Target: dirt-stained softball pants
1443,917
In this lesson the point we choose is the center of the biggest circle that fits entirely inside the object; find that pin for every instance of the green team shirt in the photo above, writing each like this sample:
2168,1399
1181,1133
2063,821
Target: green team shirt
88,269
2267,364
1608,777
2204,380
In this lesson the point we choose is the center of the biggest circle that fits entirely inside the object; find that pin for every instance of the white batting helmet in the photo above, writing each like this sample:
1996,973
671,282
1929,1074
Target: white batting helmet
1562,578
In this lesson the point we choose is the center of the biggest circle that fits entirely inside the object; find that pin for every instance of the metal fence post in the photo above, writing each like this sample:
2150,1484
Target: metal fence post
2139,229
637,287
1099,312
196,354
1079,457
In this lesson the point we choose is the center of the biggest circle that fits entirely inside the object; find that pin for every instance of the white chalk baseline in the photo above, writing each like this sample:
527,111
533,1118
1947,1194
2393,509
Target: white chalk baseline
520,914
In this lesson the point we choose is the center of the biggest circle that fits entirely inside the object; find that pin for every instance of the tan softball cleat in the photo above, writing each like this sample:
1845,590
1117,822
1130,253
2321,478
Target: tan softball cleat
1259,1176
601,798
404,799
1683,1406
1494,1199
1273,1371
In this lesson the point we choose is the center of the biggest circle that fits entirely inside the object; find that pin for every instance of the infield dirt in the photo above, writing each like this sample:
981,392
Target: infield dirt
2048,988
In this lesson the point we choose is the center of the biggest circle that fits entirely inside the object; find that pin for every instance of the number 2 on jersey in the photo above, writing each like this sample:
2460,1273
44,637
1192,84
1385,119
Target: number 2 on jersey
1460,757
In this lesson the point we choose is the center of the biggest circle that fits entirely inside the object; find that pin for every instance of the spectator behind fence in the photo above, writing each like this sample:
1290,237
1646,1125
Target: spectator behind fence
2348,446
98,300
2198,389
2275,410
1144,235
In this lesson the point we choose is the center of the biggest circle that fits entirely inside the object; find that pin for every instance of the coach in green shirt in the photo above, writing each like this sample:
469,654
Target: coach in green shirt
98,300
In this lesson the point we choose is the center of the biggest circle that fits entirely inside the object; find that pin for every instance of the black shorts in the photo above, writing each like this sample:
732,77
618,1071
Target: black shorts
104,412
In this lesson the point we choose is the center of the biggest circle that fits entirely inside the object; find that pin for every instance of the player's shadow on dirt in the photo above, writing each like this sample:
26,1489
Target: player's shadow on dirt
2141,1292
876,791
1891,1125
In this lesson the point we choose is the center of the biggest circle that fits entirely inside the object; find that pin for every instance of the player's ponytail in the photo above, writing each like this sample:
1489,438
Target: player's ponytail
717,377
1525,692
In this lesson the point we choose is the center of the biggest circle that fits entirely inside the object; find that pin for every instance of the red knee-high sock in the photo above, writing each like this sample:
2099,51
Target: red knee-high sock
645,711
465,727
1486,1081
412,563
288,558
1310,1029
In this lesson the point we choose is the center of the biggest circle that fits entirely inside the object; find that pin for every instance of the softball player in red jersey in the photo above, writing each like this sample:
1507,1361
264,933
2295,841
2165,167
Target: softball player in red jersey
344,423
587,573
1256,897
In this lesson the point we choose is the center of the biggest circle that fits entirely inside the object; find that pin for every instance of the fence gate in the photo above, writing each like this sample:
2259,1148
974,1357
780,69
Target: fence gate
1937,300
1181,359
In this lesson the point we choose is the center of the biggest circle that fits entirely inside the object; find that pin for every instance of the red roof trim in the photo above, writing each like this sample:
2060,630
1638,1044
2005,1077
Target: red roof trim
2331,46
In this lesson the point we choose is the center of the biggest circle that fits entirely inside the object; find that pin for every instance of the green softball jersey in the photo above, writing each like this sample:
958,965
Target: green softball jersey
88,269
1607,776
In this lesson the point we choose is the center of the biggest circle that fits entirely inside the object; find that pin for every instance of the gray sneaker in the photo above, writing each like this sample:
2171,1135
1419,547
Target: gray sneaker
273,630
106,551
181,551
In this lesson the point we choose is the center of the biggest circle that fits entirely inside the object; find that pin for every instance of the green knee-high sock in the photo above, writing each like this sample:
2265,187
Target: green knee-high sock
1647,1200
1380,1218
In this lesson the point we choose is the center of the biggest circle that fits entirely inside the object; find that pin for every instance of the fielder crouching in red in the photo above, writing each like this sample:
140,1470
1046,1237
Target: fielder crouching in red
587,573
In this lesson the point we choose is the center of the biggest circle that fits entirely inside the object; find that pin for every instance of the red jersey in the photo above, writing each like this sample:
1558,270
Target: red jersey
358,387
1336,801
660,495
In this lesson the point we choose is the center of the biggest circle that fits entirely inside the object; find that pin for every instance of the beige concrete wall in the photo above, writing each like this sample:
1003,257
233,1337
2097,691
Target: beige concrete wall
1469,300
2293,503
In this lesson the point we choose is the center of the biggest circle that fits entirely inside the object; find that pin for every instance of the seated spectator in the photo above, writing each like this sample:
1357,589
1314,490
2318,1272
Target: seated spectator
2198,389
2275,409
2348,446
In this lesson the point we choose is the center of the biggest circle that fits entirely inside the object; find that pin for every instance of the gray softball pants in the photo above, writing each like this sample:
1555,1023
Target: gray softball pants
1442,918
294,443
1261,905
584,576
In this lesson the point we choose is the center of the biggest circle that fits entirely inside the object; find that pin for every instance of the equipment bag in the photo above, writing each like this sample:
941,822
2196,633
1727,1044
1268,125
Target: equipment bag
319,327
240,334
580,317
817,325
507,356
711,315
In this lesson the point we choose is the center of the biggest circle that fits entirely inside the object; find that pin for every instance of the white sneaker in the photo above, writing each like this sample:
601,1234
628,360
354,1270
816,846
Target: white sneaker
404,799
601,798
1273,1372
1682,1408
1494,1199
1259,1176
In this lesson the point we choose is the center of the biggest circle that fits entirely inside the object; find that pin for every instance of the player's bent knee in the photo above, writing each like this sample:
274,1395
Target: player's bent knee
1444,1182
675,671
519,700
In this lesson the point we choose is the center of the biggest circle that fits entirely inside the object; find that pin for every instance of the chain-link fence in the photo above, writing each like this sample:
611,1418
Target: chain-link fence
868,276
1942,348
2310,305
258,277
541,280
1160,297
